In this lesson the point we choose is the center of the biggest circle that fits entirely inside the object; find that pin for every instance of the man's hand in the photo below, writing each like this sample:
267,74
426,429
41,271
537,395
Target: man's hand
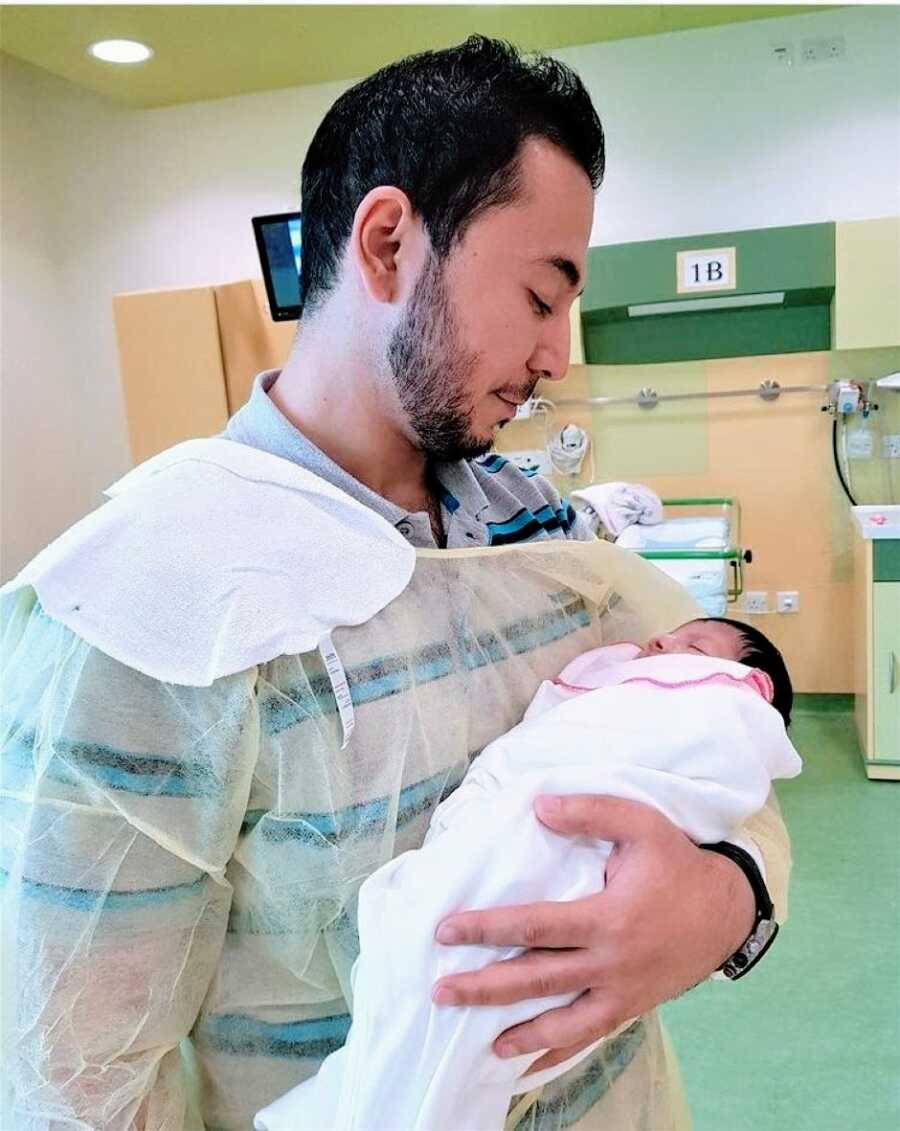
669,916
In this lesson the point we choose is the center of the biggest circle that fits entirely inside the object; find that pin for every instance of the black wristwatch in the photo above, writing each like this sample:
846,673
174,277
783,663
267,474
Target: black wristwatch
764,928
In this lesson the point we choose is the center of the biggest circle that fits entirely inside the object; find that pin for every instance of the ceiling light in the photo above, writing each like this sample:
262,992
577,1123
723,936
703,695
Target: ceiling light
775,298
120,51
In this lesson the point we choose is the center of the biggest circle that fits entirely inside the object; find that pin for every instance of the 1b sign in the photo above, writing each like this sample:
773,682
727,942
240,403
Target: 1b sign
713,269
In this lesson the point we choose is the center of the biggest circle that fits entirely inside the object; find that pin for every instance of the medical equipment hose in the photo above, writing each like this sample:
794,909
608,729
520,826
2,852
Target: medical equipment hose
837,462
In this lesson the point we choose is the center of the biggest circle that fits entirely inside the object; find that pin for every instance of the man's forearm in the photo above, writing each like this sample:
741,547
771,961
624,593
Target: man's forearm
731,895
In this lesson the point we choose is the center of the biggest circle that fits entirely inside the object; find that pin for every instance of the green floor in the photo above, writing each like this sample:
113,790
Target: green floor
811,1040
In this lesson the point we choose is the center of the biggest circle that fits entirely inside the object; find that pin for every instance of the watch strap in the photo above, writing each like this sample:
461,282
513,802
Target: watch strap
764,926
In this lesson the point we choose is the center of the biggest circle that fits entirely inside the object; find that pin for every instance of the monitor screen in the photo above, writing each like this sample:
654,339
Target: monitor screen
278,242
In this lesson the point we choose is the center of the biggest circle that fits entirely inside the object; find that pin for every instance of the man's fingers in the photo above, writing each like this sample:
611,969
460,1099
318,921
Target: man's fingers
595,815
584,1021
554,1057
539,973
565,924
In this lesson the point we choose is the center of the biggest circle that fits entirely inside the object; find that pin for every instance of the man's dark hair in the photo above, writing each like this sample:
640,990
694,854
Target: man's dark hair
446,127
760,652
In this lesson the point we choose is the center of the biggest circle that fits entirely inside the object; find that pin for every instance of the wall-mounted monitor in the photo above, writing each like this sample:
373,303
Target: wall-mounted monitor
278,242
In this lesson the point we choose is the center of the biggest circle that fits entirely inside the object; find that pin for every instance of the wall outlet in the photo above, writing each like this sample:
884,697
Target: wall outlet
534,461
890,446
823,50
860,443
787,601
836,47
756,601
811,51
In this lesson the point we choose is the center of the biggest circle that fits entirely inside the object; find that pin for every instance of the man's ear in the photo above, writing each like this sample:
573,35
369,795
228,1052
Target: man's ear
386,243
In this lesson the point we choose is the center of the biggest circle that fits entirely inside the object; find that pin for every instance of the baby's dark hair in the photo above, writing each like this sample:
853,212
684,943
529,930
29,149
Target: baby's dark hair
760,652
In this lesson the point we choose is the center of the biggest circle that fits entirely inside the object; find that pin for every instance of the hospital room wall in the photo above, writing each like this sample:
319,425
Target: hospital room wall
703,135
775,458
98,200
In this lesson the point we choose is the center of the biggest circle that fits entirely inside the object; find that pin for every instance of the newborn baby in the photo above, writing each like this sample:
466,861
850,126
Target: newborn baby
692,722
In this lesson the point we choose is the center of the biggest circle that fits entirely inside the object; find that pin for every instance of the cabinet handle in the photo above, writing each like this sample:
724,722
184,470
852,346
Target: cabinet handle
893,677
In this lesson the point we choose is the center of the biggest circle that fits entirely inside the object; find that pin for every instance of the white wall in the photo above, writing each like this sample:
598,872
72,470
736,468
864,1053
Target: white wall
704,134
63,433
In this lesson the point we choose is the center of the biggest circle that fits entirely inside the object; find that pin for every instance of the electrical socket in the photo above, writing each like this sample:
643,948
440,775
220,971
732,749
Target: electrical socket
860,443
787,601
810,51
890,446
756,601
823,50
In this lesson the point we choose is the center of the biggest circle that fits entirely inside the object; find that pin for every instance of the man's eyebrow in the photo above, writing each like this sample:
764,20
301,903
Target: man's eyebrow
567,267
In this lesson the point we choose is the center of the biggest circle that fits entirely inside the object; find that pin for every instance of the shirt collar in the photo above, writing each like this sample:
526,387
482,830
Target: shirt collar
460,480
286,440
263,425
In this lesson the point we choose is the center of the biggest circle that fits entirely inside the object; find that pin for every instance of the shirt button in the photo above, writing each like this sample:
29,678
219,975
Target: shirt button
404,528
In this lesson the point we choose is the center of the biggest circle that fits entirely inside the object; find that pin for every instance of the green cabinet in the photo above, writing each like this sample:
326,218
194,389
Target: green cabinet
886,668
877,654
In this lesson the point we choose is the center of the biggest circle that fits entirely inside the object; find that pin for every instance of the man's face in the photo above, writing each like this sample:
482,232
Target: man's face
698,638
488,322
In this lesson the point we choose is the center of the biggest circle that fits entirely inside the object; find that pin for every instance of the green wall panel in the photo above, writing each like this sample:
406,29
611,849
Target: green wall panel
783,259
798,260
707,334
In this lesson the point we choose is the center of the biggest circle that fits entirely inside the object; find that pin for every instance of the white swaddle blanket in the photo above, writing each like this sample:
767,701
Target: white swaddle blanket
690,735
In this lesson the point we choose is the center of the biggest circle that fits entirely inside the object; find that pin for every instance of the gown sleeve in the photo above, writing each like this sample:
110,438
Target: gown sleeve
122,801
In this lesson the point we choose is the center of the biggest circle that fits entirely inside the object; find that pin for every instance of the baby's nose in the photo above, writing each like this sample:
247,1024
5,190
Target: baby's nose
661,643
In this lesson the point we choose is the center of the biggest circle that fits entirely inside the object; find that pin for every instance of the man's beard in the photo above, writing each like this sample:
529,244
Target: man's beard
431,369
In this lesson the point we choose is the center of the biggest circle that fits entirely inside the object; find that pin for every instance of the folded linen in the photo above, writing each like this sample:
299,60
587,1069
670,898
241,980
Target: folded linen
618,505
678,534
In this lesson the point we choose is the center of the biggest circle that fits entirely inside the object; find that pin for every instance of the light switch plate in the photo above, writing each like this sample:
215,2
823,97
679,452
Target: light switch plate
787,601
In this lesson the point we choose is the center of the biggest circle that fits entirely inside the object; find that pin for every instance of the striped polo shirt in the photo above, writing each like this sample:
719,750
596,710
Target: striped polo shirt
484,502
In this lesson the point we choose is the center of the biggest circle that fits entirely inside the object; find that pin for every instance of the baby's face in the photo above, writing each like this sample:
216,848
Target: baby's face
699,638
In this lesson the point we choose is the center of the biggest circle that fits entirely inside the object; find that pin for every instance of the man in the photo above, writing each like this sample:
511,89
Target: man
188,847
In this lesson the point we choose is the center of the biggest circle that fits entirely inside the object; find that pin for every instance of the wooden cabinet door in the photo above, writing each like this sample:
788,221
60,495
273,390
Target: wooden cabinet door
886,668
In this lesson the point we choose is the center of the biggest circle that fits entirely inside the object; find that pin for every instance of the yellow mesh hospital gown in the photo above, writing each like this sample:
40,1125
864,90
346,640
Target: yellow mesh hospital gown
181,864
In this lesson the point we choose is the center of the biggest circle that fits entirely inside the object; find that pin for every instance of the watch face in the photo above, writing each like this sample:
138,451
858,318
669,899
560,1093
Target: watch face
765,931
752,950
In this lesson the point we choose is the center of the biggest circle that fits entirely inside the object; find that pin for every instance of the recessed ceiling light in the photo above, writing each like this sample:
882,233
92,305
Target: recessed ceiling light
120,51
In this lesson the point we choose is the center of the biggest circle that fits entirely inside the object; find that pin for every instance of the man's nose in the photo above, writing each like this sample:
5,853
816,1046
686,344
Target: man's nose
551,355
